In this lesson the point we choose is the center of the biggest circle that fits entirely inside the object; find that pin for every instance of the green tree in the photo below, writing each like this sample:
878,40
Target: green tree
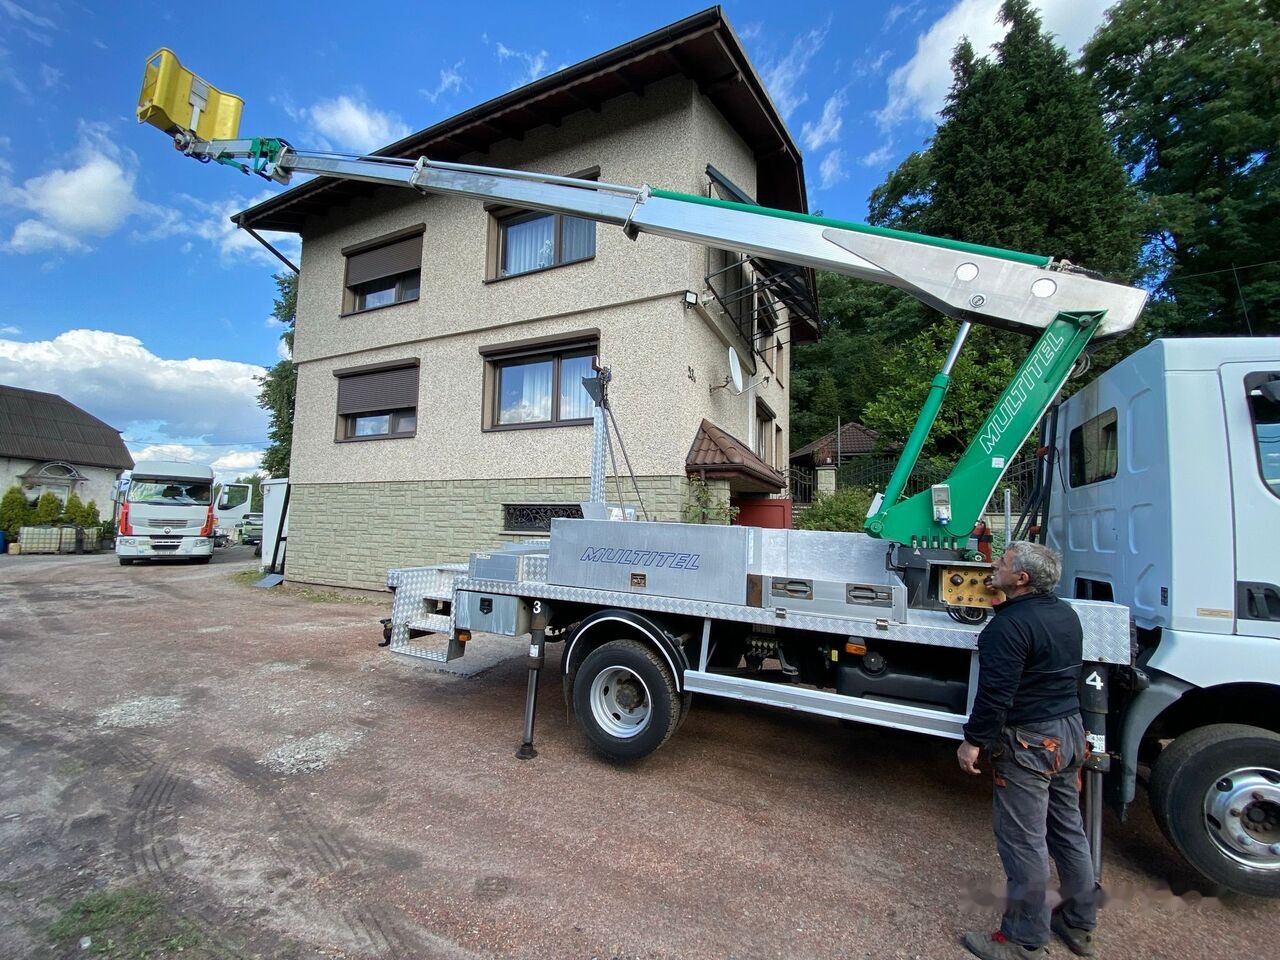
280,383
16,512
73,509
90,515
48,509
844,510
1021,160
1192,98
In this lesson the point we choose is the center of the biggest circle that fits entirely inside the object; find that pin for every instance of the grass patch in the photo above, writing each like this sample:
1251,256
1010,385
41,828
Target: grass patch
246,578
317,595
129,923
71,767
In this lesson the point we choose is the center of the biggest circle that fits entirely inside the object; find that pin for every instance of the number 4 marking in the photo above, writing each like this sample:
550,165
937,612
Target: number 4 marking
1094,680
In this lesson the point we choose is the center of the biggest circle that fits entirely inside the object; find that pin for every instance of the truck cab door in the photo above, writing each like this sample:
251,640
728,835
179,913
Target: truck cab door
233,503
1251,402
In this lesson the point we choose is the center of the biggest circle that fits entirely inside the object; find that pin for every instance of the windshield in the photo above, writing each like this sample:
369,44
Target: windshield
180,493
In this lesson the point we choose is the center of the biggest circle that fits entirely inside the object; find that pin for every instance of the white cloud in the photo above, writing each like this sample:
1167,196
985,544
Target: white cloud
117,379
50,75
827,129
832,169
9,331
211,221
783,78
879,156
535,64
90,199
36,236
24,16
450,82
352,123
918,88
907,12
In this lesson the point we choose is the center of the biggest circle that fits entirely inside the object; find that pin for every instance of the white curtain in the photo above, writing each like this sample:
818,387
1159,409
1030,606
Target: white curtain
524,393
575,402
577,239
529,245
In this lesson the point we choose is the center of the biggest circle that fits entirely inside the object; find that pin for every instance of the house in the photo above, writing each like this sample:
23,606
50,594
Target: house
48,444
440,342
867,462
853,440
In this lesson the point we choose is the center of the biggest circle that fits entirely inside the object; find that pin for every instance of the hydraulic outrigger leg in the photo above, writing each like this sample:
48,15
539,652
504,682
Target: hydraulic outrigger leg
537,648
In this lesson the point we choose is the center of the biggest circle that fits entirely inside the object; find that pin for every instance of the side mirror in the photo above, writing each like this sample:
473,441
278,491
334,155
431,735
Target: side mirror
224,499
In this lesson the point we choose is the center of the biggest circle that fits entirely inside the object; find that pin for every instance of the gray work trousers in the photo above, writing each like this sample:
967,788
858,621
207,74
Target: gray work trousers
1037,815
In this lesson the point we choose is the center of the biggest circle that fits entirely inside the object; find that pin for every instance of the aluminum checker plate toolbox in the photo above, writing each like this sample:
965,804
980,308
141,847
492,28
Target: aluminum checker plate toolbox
1105,625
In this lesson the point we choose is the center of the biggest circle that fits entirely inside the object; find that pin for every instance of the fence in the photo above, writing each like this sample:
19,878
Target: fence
801,483
875,471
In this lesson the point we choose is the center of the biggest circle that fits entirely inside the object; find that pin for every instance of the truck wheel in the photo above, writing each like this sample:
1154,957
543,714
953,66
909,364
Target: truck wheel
626,700
1215,792
125,561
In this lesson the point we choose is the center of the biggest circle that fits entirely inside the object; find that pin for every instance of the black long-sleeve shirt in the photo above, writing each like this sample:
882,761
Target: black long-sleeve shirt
1028,666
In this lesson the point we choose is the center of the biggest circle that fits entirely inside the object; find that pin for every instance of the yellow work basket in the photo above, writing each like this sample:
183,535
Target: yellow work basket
175,99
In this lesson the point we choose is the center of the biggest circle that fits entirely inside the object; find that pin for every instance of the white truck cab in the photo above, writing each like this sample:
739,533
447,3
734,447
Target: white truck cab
1166,498
167,512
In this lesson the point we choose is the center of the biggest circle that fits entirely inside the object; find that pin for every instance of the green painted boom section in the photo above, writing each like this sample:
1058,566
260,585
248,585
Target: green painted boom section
1017,257
1006,428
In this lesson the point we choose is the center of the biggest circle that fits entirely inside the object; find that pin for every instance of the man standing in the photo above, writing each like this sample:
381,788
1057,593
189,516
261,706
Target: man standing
1027,715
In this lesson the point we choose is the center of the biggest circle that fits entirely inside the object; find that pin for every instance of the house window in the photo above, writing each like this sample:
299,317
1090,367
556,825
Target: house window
536,241
536,517
383,272
377,401
524,241
1093,450
538,383
764,432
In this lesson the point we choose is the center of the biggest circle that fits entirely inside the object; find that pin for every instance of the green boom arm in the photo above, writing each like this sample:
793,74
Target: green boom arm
916,520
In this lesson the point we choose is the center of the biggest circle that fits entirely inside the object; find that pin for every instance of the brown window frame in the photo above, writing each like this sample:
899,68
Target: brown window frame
361,401
537,350
765,445
357,258
501,217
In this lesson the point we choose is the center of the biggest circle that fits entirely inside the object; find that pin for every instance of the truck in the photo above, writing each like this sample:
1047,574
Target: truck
881,627
167,511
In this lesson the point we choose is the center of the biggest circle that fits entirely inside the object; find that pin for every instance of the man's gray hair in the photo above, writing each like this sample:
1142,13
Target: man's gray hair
1041,564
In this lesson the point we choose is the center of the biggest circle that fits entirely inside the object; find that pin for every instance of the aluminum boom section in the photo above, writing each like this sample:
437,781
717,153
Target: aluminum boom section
971,283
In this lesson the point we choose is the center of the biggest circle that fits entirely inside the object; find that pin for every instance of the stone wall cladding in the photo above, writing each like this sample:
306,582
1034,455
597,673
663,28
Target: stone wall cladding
350,534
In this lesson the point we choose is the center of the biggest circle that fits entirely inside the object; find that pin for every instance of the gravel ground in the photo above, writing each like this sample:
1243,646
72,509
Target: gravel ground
293,791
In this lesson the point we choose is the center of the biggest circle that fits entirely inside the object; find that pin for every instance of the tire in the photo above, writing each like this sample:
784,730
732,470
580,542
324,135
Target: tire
126,561
1212,790
626,700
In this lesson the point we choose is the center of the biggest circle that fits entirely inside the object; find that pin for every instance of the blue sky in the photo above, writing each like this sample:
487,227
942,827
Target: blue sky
127,290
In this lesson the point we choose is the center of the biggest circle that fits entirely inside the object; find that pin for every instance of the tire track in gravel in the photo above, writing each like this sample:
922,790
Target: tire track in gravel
146,836
307,846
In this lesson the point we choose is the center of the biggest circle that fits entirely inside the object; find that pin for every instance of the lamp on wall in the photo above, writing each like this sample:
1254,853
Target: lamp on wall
690,299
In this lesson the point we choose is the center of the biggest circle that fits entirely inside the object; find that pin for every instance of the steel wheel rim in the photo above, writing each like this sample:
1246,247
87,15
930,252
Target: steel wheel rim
620,702
1242,814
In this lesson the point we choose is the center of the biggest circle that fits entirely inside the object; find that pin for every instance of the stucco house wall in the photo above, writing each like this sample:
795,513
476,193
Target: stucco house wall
361,508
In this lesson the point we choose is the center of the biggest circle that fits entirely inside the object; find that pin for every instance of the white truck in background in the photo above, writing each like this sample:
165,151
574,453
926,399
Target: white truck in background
167,511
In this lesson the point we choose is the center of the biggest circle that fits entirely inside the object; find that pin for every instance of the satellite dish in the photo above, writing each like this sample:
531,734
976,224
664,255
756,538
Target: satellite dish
735,372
